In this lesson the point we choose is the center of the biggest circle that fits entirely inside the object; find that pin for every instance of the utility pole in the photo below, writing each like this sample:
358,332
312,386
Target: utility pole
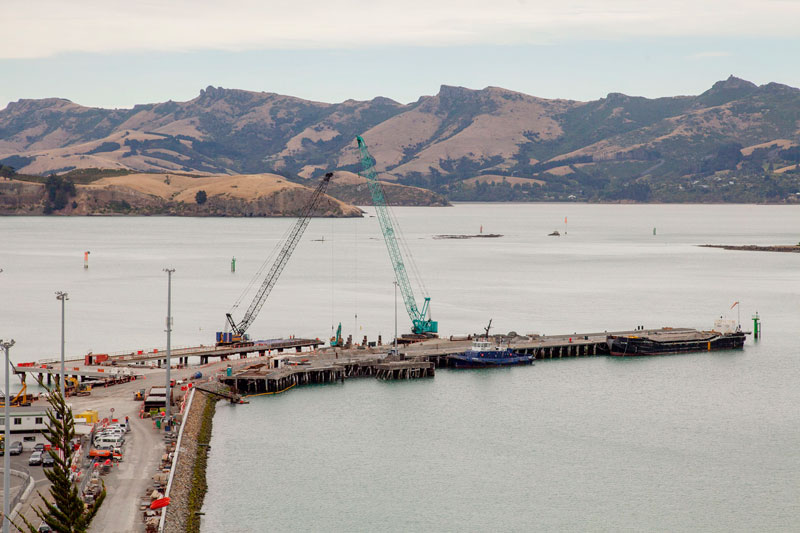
6,436
63,296
395,317
169,272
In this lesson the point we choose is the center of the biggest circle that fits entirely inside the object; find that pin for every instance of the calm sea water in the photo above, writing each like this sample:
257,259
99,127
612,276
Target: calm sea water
704,442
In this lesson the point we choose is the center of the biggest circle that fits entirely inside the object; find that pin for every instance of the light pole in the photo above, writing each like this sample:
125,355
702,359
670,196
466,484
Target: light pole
6,437
395,317
169,272
63,296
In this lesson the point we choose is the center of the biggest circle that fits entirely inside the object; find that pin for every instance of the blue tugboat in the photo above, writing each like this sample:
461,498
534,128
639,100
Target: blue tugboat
484,353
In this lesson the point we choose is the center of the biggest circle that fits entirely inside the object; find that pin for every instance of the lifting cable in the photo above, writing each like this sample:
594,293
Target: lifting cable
259,275
333,277
355,278
407,252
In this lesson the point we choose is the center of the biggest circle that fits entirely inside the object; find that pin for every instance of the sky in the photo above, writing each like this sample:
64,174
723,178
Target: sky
110,53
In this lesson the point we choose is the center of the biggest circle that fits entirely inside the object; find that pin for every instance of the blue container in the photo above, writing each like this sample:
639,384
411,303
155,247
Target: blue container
219,336
229,371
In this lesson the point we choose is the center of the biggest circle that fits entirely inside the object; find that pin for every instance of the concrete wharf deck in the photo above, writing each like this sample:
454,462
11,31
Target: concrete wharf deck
540,346
205,353
415,360
97,376
261,379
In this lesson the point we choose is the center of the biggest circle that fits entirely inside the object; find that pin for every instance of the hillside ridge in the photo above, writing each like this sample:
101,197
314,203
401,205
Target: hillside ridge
736,141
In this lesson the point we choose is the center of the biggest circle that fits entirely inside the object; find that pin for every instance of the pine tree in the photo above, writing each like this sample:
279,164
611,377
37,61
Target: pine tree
65,511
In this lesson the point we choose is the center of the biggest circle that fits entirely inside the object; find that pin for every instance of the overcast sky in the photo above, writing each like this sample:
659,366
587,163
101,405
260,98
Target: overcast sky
114,53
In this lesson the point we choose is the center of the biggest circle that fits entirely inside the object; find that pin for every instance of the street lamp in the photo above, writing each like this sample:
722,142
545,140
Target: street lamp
169,272
6,436
63,296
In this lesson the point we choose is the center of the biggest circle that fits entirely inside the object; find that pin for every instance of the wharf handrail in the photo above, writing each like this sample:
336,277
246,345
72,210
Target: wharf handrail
180,350
122,353
174,465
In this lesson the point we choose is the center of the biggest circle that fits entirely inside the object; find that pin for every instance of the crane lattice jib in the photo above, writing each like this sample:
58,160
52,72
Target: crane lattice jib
283,257
420,324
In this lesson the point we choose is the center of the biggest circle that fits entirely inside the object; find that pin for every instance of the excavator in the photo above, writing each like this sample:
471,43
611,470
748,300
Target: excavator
237,336
21,399
74,387
337,340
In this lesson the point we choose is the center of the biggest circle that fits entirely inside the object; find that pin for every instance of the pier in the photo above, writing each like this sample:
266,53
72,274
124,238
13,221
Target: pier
261,379
418,360
270,368
540,346
181,355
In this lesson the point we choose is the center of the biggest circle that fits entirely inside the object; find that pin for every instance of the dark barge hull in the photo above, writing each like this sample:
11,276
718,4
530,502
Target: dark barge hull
706,341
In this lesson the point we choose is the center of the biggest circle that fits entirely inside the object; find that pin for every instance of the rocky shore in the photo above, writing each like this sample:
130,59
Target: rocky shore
189,482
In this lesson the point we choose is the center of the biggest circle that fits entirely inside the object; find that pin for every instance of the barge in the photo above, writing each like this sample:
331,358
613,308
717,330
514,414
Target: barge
666,341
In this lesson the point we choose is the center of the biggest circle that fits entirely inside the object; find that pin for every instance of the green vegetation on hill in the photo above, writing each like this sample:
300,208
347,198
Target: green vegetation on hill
617,148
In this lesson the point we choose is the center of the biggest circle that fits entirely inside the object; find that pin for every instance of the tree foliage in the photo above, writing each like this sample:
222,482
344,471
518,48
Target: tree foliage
7,171
64,511
58,192
200,197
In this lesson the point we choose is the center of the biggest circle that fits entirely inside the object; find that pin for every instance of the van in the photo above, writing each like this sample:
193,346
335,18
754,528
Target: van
108,440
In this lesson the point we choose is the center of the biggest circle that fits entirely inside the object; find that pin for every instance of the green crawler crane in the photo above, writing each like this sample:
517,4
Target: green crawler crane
420,319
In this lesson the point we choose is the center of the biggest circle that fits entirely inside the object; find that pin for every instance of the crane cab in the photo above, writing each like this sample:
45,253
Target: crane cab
228,338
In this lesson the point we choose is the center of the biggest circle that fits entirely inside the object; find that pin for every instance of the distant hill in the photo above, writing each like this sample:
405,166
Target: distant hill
736,142
164,194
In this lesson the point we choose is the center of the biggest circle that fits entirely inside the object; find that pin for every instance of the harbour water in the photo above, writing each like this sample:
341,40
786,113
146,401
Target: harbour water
683,443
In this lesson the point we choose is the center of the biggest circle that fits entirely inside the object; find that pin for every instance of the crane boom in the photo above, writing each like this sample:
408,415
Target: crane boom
280,261
421,323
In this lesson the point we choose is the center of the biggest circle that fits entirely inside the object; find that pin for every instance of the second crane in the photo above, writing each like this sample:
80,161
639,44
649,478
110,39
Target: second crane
422,325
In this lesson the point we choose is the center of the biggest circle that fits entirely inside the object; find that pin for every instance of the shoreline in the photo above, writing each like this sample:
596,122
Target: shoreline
189,484
785,248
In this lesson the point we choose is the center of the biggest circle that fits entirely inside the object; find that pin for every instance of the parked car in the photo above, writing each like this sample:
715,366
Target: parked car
15,448
47,459
35,459
108,440
44,528
39,447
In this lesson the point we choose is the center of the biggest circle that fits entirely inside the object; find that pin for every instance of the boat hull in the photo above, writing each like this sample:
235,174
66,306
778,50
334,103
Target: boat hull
632,346
489,359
